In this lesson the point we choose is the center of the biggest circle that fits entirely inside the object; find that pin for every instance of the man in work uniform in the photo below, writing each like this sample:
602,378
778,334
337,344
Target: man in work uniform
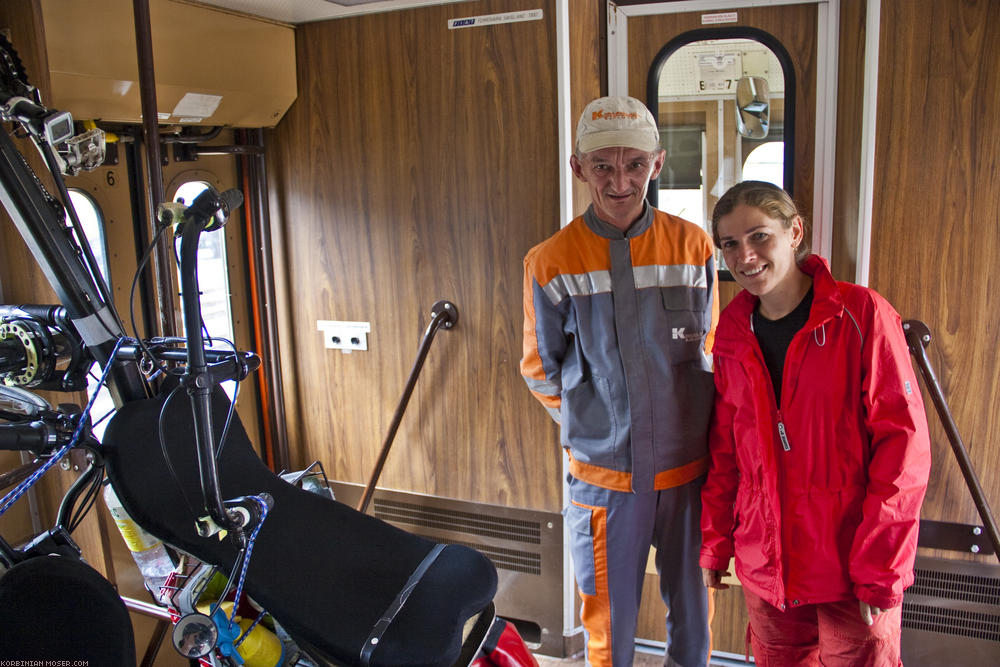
620,308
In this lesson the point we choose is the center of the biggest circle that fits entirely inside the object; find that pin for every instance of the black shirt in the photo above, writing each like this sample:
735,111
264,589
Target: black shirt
774,337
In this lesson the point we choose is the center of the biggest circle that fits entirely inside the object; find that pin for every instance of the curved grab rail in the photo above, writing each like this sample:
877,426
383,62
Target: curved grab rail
918,337
444,315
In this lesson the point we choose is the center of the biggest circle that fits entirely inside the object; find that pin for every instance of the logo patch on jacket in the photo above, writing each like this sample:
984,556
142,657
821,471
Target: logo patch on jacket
681,333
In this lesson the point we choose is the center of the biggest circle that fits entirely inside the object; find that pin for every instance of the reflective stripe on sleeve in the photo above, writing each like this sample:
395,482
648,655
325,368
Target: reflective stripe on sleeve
580,284
545,387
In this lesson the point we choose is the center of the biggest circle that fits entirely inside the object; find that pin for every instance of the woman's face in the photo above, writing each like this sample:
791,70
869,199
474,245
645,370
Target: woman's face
759,250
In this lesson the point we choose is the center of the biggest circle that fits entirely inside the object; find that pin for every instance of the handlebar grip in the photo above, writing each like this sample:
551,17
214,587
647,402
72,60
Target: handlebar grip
47,314
32,436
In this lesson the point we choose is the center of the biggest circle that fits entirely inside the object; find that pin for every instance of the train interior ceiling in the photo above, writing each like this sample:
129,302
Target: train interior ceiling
396,158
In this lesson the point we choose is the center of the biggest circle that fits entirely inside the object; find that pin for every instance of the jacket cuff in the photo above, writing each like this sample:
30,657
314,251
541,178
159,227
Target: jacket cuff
710,562
877,596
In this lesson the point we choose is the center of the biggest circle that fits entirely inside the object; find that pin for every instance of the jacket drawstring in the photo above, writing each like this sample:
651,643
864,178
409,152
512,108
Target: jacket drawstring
822,328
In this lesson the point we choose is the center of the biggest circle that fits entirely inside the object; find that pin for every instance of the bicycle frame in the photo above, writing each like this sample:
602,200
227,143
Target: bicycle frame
69,268
50,242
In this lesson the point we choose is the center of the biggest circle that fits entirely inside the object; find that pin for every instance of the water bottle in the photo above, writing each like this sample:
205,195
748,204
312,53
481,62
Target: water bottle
149,553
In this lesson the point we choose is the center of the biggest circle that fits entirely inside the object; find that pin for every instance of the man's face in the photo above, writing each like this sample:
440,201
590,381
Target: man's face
618,178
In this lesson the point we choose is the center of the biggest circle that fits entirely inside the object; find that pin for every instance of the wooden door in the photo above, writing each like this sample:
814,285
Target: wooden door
792,29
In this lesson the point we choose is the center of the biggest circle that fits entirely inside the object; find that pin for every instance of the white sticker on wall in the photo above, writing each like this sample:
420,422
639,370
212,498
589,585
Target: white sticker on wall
723,17
196,104
493,19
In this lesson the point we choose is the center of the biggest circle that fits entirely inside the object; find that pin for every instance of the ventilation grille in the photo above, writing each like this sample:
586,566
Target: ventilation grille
957,586
456,521
952,621
524,562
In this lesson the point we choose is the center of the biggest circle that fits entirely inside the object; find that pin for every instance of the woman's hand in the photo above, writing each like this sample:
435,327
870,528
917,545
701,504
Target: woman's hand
713,578
869,613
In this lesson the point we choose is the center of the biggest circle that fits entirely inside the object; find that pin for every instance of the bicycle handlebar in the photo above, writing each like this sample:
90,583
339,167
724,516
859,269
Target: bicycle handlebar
28,437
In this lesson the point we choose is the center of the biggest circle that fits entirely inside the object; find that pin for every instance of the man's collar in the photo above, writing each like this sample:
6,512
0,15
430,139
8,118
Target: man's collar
609,231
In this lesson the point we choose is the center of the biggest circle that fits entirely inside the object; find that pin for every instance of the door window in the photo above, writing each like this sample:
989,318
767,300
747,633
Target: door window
92,222
698,105
765,163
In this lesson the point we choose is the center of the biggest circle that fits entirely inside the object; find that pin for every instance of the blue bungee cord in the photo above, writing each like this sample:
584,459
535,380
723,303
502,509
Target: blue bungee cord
264,509
23,487
253,625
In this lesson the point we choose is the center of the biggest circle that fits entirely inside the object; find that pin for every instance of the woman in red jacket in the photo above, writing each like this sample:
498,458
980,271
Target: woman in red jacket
819,446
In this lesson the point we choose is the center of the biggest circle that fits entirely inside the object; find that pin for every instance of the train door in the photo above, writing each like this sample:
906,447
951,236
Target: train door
740,93
710,77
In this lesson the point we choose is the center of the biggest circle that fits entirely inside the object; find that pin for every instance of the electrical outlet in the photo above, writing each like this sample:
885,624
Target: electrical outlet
344,336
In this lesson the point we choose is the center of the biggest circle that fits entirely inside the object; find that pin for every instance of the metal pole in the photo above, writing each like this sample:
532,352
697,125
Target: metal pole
263,253
443,315
154,169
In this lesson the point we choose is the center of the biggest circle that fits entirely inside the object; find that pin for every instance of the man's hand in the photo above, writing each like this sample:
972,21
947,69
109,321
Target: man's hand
869,613
713,578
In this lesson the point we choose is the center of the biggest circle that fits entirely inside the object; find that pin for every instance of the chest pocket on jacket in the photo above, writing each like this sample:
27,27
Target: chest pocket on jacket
687,321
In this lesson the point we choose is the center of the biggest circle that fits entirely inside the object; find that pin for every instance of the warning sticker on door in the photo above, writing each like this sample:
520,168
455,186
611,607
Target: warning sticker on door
722,17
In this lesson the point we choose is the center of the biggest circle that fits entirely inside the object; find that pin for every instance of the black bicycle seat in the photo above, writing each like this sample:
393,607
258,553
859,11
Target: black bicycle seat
326,572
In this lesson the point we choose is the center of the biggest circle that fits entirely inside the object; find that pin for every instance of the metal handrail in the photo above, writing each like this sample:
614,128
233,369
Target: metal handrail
918,337
444,315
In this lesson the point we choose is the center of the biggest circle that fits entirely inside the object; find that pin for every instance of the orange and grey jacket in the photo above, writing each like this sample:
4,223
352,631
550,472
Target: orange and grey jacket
618,330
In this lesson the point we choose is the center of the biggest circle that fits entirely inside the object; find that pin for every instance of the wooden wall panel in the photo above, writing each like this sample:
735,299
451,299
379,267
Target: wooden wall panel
935,244
418,163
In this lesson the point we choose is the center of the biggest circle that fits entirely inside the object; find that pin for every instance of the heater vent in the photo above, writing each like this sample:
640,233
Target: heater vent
952,621
957,586
458,521
524,562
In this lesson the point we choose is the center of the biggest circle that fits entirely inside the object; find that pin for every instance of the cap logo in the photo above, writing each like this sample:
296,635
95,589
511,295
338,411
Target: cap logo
616,121
613,114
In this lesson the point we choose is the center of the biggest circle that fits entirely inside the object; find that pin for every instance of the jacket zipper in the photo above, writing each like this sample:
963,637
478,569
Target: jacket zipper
781,432
781,424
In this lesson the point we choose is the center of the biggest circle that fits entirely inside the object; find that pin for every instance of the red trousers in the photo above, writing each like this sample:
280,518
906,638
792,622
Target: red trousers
830,634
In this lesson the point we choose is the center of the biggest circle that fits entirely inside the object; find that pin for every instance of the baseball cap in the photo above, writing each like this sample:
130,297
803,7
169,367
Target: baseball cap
617,121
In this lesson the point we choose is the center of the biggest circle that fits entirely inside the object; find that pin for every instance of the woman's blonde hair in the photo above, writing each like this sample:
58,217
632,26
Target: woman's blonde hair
769,198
